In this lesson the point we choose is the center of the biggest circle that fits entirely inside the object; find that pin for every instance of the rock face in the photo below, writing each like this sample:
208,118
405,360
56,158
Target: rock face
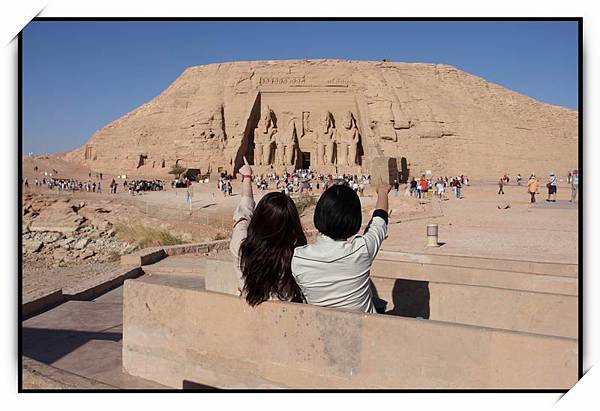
336,116
59,217
59,235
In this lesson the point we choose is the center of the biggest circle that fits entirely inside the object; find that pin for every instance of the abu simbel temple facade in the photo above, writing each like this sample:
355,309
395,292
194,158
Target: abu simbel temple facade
334,117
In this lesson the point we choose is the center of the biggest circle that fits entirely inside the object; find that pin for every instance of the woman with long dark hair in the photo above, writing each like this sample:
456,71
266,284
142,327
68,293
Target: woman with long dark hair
263,241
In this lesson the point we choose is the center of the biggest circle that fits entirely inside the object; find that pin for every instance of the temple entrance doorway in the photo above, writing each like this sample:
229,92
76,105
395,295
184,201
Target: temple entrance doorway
305,160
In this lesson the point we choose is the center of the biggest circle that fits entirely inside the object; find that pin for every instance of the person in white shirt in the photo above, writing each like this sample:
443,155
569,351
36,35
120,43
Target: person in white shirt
552,186
335,270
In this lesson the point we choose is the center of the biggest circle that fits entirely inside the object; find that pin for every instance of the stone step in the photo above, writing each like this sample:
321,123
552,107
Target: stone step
505,264
479,276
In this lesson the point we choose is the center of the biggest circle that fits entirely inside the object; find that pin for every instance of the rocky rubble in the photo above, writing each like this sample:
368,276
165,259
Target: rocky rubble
56,233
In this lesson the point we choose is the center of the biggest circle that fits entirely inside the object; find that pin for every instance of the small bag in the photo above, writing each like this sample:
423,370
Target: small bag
548,185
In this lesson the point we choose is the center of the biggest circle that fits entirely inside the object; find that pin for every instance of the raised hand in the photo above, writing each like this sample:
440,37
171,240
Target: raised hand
246,170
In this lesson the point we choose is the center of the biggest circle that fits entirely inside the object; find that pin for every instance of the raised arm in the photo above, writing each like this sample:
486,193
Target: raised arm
244,210
382,198
376,230
246,173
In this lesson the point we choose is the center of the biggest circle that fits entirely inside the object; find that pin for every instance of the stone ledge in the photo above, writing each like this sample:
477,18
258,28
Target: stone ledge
97,286
218,340
37,375
197,248
154,254
143,257
39,301
537,267
42,300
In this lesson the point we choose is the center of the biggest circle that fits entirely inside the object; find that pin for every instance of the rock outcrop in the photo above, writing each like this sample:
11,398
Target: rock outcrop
335,116
56,233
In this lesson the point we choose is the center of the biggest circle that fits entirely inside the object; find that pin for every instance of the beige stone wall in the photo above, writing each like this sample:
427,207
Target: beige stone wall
437,117
173,333
508,309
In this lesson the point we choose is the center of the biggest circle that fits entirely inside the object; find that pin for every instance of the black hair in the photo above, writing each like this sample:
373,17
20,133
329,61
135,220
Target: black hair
338,213
266,253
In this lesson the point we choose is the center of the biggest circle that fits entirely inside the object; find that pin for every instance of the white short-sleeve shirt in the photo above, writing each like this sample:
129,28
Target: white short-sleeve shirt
336,274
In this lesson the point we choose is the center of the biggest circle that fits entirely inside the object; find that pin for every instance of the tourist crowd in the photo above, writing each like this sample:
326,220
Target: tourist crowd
426,186
551,185
68,184
138,186
307,182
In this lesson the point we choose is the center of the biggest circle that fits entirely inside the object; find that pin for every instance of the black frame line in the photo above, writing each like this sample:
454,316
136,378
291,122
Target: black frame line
580,108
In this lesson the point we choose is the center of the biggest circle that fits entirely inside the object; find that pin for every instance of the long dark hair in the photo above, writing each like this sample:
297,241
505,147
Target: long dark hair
266,253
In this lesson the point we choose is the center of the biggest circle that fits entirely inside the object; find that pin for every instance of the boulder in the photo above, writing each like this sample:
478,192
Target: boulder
32,246
51,237
87,254
59,254
59,217
81,244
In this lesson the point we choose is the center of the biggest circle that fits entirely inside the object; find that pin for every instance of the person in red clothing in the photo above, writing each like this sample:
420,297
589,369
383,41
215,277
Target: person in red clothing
423,186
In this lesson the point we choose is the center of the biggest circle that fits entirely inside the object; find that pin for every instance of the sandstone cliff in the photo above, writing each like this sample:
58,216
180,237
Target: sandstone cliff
437,117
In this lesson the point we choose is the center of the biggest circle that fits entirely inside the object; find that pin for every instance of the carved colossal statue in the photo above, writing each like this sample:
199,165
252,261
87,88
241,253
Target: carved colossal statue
348,140
325,140
263,138
286,145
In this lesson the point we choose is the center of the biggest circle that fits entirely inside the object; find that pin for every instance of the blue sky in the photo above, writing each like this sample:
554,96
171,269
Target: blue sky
78,76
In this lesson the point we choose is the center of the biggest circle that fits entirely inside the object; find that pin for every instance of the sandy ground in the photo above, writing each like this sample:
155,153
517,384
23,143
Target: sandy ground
475,226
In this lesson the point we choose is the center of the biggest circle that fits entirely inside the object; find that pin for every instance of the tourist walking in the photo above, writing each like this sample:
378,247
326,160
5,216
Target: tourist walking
574,185
552,186
396,188
422,187
413,187
519,178
501,186
532,187
457,186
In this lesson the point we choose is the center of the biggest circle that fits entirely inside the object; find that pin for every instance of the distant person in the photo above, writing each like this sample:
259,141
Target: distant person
532,187
519,178
552,186
224,188
422,188
458,186
229,188
574,185
439,185
501,186
396,188
413,187
335,270
262,242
